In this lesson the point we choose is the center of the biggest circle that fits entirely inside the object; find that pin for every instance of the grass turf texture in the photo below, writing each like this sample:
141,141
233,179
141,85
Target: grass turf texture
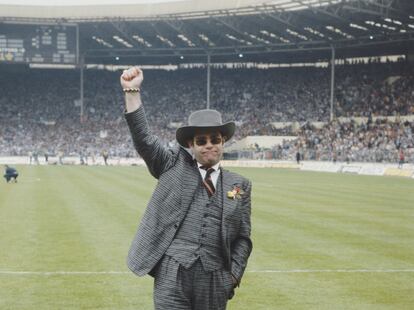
84,218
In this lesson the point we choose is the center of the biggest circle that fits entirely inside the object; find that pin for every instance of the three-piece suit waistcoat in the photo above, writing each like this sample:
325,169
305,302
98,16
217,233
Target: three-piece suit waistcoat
199,235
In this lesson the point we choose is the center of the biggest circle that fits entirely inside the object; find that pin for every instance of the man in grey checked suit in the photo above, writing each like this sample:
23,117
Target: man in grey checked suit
194,237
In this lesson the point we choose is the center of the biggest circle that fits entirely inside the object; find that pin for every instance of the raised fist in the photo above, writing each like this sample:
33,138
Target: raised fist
132,78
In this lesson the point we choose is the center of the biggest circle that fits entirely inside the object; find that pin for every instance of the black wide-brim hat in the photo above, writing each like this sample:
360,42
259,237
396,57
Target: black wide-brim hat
204,120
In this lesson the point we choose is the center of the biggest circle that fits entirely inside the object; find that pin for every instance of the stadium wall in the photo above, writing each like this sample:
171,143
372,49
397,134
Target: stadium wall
358,120
375,169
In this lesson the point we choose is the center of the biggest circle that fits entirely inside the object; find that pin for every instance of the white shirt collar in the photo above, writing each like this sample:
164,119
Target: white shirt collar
215,167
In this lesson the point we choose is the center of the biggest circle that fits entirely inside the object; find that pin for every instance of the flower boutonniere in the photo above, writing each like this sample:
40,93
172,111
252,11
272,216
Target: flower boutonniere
236,193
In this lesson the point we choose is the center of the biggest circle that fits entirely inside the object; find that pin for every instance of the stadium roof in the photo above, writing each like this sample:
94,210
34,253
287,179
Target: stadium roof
81,10
260,31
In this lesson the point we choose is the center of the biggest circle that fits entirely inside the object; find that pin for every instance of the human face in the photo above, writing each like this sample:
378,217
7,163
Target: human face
207,147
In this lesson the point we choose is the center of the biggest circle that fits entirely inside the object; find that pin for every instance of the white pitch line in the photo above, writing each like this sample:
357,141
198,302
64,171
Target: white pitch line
334,271
53,273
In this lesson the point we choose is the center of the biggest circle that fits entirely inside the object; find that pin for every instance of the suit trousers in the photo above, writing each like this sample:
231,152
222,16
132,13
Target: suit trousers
178,288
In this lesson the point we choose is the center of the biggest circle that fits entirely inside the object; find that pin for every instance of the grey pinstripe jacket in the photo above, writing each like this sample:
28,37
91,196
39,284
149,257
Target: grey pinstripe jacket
177,176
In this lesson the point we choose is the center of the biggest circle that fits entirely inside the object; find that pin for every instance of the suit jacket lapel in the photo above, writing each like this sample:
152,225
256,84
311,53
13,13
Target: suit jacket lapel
190,179
229,205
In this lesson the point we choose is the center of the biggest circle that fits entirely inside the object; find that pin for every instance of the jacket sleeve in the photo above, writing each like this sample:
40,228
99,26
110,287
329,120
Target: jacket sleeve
242,246
157,157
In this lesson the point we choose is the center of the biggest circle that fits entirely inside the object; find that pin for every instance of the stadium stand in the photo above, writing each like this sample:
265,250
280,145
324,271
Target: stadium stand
43,117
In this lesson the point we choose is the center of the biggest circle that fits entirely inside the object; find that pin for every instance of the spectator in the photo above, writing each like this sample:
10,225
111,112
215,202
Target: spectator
10,174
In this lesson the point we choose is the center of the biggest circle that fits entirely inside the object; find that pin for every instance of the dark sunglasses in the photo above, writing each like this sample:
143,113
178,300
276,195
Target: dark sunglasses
200,141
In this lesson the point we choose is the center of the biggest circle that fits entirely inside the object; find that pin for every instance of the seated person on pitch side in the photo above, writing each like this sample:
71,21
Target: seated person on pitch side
10,174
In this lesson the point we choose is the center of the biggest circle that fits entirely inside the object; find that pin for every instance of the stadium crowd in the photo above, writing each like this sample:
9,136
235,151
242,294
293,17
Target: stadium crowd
379,141
41,114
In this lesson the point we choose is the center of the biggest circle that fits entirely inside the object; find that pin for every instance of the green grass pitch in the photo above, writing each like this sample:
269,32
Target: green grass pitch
320,240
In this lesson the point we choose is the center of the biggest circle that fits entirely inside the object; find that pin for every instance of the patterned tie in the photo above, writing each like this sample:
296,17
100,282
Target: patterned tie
208,182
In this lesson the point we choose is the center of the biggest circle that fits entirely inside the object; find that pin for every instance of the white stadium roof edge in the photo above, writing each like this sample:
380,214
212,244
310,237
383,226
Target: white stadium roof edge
90,9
